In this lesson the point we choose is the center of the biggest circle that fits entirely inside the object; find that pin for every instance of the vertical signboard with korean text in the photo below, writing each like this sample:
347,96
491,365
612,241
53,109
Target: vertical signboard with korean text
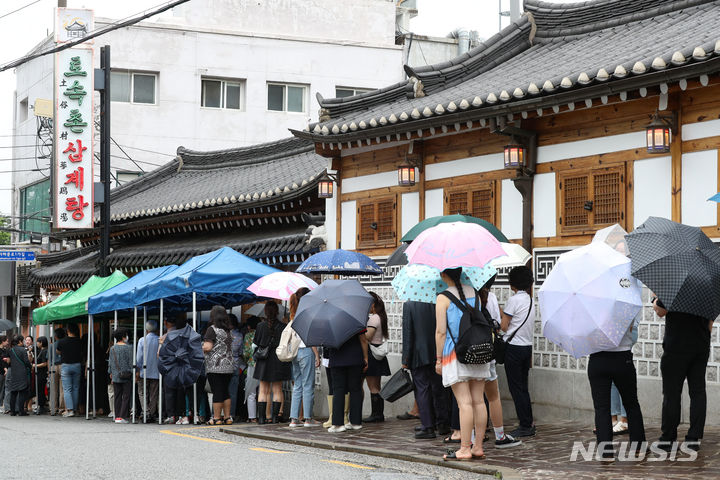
74,89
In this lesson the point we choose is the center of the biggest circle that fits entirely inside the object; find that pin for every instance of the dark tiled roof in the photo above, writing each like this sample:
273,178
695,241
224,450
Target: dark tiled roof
288,246
551,50
195,180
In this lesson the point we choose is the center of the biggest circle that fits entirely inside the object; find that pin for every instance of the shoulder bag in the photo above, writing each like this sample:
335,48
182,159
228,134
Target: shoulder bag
500,344
289,345
379,351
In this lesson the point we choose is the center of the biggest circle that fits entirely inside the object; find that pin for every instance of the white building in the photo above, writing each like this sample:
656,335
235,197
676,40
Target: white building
210,75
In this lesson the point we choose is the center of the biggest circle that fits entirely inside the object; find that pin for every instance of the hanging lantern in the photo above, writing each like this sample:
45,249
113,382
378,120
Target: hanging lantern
515,155
325,187
406,175
658,135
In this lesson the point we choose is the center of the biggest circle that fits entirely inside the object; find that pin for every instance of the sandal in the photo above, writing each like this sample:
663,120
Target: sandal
228,421
215,421
451,440
452,455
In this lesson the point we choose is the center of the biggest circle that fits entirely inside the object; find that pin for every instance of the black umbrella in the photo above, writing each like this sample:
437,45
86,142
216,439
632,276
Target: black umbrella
332,313
679,263
6,325
398,257
181,357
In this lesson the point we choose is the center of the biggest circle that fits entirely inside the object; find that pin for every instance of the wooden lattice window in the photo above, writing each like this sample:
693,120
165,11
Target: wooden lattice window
477,199
376,223
591,199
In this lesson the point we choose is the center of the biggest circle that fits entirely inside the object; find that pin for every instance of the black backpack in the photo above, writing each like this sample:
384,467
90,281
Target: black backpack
474,344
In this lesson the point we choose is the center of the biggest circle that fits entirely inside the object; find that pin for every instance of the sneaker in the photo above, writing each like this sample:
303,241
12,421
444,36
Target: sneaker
68,413
309,422
507,442
122,420
111,415
294,422
169,421
523,432
336,429
118,420
350,426
183,421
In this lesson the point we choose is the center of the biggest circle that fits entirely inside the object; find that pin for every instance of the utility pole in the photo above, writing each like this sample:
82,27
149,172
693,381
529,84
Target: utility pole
104,87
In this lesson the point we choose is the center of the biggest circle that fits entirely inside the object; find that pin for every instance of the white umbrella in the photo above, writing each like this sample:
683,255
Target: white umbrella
589,300
281,285
614,235
515,256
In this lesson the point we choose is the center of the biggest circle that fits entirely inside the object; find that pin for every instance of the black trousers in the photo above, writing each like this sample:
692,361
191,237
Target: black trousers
603,369
431,398
175,400
675,368
122,393
518,359
17,401
347,380
42,382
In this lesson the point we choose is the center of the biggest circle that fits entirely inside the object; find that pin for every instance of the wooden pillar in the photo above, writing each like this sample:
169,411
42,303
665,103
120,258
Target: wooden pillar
676,155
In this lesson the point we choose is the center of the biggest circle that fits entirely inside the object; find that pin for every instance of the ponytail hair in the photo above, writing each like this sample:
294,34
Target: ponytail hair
295,300
455,274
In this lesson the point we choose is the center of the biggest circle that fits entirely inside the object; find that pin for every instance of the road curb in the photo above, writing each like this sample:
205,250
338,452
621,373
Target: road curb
497,471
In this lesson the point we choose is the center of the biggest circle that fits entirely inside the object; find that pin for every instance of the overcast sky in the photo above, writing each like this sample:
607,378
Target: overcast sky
21,31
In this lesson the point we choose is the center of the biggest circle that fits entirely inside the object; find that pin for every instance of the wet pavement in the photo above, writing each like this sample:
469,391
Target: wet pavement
545,456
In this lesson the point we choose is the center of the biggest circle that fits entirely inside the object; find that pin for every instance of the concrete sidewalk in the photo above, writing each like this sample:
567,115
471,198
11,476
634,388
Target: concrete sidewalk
546,456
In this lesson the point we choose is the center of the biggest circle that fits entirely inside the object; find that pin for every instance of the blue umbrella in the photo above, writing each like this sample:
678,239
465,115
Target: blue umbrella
341,262
332,313
421,283
715,198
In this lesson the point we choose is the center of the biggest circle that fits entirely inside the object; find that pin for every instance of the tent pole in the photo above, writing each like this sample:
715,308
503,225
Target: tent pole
195,412
144,366
134,368
34,329
115,321
91,336
160,385
87,377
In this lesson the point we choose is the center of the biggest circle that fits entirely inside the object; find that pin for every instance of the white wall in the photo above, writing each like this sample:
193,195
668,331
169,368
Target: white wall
348,228
693,131
434,203
699,182
410,211
464,166
544,206
592,146
331,219
370,182
511,215
653,189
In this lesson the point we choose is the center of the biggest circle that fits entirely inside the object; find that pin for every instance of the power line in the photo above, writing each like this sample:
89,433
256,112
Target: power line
94,34
21,8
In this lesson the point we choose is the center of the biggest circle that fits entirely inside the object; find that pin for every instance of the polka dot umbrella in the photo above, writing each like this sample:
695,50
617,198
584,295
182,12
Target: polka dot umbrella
421,283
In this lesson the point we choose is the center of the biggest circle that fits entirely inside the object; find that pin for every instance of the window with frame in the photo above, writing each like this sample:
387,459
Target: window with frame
35,209
377,223
22,112
591,199
133,87
285,97
477,200
342,92
219,93
123,177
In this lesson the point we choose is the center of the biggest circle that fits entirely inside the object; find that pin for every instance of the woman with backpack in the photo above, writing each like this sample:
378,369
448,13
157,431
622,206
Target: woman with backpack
377,334
269,370
518,320
303,371
466,380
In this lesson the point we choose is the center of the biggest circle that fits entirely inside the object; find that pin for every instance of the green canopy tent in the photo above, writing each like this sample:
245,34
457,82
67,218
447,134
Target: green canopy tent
73,304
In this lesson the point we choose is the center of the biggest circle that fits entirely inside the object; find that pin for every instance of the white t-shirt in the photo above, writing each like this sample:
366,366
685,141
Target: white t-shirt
493,307
517,307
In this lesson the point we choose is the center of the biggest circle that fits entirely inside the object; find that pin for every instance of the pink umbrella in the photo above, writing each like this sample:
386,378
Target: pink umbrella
280,285
451,245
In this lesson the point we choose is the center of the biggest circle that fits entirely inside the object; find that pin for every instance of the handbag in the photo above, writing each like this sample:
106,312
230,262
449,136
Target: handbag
399,385
379,351
289,345
126,375
500,344
261,353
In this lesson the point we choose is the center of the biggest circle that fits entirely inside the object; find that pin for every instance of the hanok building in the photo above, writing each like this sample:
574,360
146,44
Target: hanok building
543,131
259,200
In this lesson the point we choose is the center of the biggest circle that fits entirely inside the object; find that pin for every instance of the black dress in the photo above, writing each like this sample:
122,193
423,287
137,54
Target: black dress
271,369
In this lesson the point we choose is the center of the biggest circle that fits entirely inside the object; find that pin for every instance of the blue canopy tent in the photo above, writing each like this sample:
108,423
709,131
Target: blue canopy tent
220,277
120,297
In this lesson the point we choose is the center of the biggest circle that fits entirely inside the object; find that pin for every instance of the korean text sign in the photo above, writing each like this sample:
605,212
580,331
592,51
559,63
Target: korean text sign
74,126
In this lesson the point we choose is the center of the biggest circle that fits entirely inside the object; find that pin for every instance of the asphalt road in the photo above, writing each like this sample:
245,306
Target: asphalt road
72,448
